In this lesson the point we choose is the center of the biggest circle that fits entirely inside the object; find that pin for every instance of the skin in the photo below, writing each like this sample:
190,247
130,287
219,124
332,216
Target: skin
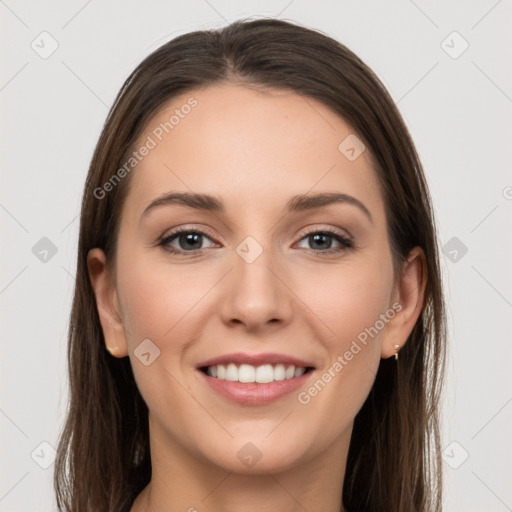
254,150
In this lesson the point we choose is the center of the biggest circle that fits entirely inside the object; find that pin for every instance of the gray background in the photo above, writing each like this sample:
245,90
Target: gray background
457,106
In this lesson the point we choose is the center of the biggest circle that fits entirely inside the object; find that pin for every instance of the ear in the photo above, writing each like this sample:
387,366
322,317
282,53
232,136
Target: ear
108,303
408,297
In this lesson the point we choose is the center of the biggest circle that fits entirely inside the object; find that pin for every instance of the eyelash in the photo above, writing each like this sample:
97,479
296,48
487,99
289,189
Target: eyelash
345,242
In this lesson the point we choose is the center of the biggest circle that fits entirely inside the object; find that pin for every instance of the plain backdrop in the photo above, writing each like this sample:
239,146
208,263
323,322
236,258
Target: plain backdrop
446,64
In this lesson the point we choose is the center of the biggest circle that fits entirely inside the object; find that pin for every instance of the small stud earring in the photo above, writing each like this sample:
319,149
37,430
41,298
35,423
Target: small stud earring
112,350
397,348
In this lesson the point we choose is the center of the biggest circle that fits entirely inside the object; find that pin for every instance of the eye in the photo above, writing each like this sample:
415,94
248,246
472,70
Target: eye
321,241
188,240
183,241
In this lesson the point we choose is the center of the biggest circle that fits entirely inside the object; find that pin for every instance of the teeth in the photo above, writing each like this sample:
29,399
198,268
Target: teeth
299,371
247,373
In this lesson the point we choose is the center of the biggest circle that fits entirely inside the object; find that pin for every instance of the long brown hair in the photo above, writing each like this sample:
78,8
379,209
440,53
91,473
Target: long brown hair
103,459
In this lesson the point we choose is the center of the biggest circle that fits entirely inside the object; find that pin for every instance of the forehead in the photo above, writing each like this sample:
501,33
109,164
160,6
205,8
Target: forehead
249,146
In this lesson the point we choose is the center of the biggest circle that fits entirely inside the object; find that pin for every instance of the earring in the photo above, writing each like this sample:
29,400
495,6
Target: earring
111,350
397,348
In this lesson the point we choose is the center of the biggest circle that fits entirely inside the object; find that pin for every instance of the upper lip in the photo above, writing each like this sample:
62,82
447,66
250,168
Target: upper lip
239,358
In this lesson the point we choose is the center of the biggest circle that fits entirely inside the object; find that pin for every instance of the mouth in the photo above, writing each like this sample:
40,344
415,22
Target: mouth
255,379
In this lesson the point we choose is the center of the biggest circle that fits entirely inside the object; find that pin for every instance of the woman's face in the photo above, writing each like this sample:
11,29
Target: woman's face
265,270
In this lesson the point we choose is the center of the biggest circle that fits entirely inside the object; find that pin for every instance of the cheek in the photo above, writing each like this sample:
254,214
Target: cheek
349,298
160,302
350,302
350,306
157,297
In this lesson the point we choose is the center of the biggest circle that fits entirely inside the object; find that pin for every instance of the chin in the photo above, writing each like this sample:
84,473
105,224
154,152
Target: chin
253,457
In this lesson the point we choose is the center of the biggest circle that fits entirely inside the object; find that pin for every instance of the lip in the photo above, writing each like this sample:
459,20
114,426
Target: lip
239,358
254,393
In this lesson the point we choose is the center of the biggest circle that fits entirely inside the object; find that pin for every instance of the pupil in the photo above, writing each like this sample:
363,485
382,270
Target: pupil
316,237
190,238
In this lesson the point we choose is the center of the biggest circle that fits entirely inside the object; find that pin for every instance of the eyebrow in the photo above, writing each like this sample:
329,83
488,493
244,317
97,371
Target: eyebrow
299,203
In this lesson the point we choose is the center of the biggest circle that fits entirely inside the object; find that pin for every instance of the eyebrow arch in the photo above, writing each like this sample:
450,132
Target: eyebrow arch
297,203
308,202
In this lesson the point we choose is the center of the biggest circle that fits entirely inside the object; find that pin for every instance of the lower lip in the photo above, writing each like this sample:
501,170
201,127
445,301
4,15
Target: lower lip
254,393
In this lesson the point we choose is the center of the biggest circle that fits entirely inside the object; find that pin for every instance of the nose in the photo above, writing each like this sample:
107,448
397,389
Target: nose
255,293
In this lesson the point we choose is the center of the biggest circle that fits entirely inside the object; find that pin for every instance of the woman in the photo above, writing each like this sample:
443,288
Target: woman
248,367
